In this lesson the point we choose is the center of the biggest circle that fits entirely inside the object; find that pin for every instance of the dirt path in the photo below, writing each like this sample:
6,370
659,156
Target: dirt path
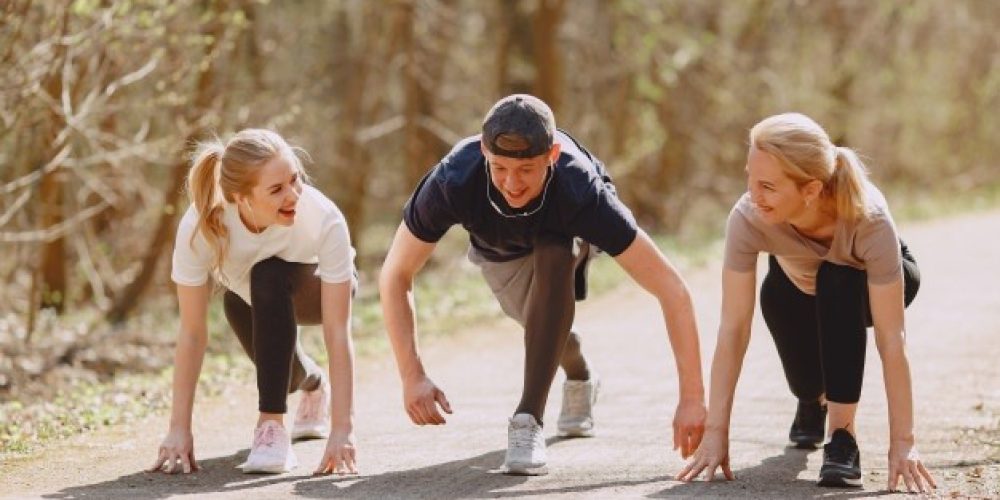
954,349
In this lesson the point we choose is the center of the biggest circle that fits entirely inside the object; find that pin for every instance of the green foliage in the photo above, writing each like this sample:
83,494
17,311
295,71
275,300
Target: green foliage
83,406
85,7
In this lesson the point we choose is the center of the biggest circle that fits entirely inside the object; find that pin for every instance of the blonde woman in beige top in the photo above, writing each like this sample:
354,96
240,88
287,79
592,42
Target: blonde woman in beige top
836,267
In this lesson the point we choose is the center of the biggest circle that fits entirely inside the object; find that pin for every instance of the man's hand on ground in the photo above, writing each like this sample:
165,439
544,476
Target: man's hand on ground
421,399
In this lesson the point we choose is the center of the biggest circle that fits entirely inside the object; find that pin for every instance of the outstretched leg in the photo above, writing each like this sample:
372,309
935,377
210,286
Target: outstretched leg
548,316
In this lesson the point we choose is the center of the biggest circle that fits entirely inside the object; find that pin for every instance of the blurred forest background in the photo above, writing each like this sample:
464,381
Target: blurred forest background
100,101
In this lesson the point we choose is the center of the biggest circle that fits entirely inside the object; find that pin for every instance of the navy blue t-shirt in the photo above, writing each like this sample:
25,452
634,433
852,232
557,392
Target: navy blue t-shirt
580,202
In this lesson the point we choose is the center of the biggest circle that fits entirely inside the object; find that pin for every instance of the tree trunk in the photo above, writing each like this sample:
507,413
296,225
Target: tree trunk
52,270
514,64
205,99
422,75
841,23
353,116
548,66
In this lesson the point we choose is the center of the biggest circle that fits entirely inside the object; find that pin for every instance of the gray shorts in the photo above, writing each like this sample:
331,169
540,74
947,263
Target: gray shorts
511,281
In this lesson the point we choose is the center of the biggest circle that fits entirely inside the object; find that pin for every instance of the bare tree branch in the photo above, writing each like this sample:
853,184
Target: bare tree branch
18,203
380,129
35,176
132,77
54,232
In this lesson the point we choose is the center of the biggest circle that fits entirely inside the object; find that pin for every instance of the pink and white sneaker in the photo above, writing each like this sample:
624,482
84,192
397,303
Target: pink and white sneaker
312,418
271,451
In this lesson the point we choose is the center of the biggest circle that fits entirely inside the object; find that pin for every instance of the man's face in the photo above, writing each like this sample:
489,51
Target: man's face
520,180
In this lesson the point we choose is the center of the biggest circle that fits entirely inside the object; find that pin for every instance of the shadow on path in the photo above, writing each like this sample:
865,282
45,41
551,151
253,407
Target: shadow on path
774,476
216,475
476,476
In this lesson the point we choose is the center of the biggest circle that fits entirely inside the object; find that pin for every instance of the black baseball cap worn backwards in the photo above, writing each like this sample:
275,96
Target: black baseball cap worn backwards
519,126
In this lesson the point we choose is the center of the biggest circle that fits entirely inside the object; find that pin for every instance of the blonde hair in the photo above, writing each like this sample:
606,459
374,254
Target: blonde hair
219,171
806,153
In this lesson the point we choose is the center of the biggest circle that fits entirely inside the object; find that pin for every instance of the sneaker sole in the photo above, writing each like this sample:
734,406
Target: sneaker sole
805,444
313,433
271,469
576,433
837,479
524,470
265,470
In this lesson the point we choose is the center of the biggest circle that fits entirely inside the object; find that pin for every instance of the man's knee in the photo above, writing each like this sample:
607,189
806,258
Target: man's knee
553,255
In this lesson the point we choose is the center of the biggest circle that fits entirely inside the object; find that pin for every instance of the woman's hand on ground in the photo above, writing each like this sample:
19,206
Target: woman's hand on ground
710,455
689,426
340,456
904,461
176,453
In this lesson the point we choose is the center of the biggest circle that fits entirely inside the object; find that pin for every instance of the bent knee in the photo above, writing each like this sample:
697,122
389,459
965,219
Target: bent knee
837,277
269,278
552,253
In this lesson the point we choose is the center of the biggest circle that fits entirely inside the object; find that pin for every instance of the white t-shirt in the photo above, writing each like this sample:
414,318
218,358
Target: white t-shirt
318,235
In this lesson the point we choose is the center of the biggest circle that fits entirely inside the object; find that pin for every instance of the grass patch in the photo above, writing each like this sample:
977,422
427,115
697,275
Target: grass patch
922,204
85,405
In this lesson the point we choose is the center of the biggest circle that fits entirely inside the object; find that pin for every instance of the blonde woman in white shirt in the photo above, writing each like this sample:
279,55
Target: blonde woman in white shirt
282,251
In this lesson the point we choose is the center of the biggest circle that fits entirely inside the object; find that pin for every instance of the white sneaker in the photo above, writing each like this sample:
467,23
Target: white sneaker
312,418
577,416
271,451
525,447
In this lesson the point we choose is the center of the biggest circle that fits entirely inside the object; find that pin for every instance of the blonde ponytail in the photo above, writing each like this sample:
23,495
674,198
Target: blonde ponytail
805,153
847,184
204,193
219,172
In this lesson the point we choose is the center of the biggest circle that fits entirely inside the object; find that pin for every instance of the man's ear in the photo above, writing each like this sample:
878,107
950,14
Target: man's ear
554,152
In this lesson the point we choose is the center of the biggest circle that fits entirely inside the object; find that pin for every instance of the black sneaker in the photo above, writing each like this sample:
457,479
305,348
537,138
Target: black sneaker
841,461
809,426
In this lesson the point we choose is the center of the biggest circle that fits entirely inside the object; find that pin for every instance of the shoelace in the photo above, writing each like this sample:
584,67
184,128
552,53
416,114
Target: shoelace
839,451
524,437
266,436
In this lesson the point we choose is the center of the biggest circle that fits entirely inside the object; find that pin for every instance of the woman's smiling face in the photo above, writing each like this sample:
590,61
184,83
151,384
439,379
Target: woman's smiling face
274,198
775,196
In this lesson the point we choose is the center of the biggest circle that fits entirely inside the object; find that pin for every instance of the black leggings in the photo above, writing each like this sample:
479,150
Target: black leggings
284,294
821,339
